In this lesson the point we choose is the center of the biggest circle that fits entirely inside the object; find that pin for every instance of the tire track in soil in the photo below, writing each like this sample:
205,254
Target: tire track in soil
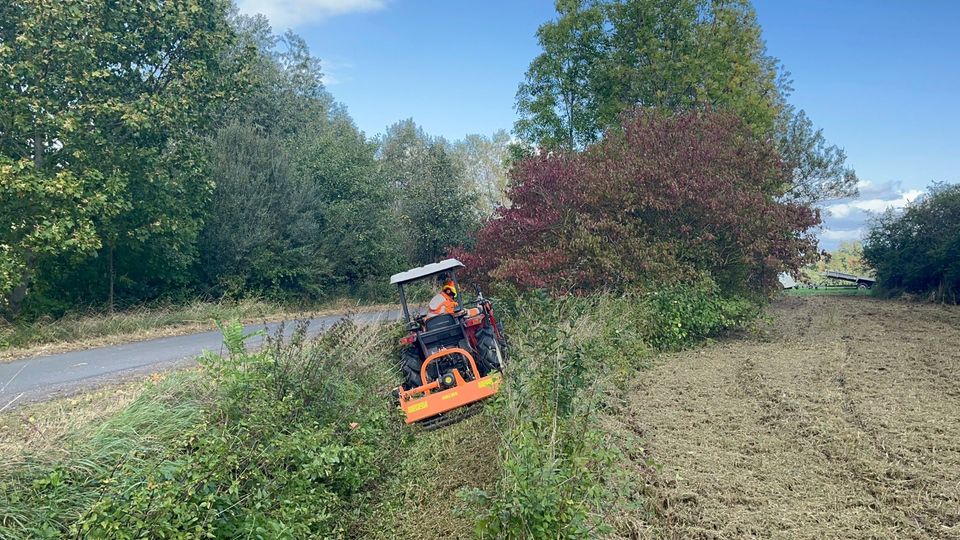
815,429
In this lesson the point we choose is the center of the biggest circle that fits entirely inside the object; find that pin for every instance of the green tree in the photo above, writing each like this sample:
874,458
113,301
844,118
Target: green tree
434,203
602,58
113,97
560,98
918,250
310,184
358,243
285,90
46,215
485,162
819,168
262,231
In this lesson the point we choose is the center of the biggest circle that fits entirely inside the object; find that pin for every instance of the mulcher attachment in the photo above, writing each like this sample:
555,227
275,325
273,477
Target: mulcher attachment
431,403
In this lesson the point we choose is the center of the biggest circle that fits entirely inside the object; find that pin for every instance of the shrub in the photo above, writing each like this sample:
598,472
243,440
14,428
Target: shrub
553,457
918,251
662,201
682,315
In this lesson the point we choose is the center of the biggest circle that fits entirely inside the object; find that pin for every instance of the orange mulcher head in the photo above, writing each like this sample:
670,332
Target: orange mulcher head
451,392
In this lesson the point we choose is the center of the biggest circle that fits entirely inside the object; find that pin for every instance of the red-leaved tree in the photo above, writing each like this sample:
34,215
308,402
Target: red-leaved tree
665,200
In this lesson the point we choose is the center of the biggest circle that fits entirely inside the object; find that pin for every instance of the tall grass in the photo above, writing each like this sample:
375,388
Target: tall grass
42,492
570,357
276,444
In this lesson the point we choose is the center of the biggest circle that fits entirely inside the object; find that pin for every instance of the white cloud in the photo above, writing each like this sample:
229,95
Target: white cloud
848,219
842,236
873,205
285,14
335,72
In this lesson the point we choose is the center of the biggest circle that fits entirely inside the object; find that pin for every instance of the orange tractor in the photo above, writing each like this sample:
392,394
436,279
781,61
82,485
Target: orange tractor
450,359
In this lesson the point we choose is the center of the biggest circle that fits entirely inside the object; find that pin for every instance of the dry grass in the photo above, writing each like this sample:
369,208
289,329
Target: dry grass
82,332
841,420
39,427
423,499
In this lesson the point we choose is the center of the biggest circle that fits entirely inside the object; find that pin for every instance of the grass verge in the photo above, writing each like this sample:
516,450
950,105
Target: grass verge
275,444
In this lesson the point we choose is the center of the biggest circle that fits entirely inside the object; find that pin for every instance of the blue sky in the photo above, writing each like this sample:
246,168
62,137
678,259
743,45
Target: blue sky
880,77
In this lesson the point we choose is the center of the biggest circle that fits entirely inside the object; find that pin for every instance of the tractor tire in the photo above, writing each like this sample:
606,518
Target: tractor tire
410,365
490,353
503,340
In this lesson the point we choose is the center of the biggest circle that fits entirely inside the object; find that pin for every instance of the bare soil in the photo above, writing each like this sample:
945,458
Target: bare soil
840,418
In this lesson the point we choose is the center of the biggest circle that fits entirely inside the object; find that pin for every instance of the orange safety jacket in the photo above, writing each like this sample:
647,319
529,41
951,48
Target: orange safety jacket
440,304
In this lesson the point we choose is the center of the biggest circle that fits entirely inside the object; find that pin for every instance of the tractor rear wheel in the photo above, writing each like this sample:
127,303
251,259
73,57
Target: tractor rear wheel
410,364
490,352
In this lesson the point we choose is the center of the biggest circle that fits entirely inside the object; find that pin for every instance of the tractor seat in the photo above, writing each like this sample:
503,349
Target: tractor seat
439,321
442,331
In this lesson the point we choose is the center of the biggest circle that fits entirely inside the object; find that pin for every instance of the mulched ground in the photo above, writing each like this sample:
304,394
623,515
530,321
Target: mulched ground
838,419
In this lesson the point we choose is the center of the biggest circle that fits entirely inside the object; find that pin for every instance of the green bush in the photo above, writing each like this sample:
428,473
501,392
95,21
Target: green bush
277,445
682,315
917,250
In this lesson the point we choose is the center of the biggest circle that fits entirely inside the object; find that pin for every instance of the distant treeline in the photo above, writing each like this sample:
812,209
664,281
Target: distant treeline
156,150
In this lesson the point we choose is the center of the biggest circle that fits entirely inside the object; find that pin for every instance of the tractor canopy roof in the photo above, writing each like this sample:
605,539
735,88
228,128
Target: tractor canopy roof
426,271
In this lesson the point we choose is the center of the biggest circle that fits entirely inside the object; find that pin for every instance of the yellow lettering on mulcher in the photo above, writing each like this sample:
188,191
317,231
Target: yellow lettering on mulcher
418,406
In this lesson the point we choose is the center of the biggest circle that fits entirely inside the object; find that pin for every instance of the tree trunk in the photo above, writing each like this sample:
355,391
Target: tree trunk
16,297
38,147
112,275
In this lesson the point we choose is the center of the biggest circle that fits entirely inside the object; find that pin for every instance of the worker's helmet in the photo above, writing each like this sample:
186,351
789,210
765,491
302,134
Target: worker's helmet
450,288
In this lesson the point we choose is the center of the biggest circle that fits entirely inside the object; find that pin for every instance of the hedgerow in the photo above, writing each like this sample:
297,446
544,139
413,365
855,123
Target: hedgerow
569,355
291,441
917,250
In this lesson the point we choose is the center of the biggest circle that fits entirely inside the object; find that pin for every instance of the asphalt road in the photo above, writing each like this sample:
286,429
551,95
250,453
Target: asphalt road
45,377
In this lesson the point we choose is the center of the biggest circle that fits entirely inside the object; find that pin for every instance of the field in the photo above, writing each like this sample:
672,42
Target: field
838,418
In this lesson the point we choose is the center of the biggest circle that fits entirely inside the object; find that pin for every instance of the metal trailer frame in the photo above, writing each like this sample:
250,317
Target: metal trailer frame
862,282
